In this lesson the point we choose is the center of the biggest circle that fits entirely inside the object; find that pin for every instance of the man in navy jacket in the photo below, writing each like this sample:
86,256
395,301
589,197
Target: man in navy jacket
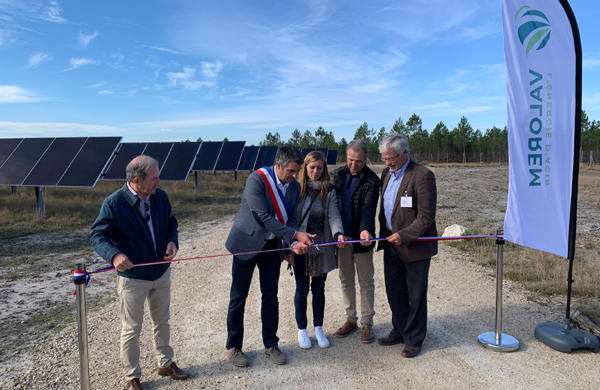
135,225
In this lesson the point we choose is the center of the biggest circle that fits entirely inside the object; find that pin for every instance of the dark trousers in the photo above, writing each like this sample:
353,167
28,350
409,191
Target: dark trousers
406,288
269,265
317,286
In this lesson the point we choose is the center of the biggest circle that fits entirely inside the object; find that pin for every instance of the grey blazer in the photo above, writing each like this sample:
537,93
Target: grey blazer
256,219
333,226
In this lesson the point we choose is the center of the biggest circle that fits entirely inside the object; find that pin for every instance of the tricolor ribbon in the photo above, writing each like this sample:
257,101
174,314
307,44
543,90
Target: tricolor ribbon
275,194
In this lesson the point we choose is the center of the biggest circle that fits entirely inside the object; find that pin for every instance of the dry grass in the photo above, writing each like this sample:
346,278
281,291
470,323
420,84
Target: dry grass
31,243
71,209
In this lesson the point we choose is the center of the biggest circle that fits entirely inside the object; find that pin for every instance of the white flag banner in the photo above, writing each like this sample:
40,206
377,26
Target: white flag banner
540,60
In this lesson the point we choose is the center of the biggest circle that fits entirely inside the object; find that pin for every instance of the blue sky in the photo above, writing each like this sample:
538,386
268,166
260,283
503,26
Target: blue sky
175,70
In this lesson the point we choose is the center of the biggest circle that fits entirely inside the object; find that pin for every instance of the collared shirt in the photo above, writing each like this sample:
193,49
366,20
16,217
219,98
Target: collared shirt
282,187
389,197
145,212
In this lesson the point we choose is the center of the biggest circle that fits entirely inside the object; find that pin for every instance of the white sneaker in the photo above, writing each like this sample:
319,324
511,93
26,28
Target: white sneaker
303,339
321,338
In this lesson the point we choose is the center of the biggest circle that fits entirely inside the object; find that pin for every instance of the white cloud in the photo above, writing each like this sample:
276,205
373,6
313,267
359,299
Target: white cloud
3,37
186,79
54,128
14,94
52,13
163,49
37,59
589,63
78,62
211,70
105,92
85,39
98,84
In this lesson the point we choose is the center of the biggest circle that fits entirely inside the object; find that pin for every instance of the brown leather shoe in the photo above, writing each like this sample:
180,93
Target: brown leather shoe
133,384
366,335
173,372
275,354
390,340
346,329
410,351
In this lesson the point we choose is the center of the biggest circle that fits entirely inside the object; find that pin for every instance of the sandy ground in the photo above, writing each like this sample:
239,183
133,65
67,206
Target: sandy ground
461,306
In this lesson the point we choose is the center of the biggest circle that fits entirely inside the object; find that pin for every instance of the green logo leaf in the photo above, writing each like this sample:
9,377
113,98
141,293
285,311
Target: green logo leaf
535,30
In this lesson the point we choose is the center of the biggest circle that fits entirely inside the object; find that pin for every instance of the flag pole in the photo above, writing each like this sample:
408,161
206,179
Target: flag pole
562,336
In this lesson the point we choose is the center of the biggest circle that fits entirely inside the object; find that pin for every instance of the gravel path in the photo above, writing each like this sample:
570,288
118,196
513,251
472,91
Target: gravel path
461,306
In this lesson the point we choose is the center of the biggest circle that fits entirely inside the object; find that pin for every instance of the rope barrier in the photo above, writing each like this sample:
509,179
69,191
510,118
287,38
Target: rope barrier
78,275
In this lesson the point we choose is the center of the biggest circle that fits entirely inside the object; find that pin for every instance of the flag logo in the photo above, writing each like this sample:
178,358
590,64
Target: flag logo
535,29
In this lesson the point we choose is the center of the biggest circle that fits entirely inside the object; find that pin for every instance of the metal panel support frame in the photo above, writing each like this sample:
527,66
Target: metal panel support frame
196,180
40,197
498,341
84,366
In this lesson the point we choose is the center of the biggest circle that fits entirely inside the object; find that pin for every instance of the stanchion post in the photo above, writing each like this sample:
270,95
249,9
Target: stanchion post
498,341
84,367
196,180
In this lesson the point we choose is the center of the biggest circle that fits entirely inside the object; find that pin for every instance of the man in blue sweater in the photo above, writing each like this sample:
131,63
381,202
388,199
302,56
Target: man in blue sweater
135,225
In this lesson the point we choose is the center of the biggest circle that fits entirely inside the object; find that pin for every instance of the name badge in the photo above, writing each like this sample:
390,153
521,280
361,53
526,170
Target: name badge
406,201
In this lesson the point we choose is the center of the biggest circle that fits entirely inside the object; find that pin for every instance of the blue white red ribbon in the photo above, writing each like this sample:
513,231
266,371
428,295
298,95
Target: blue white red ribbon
275,194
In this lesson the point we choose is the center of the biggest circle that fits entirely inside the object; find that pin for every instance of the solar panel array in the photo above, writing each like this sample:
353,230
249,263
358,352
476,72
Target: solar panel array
180,160
72,162
207,156
248,159
332,155
81,161
266,156
230,155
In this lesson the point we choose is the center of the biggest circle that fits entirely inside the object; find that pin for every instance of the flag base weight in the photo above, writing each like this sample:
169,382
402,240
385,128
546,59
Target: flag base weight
564,338
506,343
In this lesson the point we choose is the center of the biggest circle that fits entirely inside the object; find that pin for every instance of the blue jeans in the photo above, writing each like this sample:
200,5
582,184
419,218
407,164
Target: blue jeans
317,286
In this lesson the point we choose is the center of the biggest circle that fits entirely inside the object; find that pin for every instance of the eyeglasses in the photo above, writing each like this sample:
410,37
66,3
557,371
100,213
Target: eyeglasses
390,158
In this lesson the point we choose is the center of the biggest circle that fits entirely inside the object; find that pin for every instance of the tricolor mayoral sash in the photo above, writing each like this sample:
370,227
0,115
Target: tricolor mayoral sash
275,194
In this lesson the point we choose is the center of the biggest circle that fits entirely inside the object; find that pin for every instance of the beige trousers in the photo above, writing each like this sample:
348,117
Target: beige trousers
132,294
348,262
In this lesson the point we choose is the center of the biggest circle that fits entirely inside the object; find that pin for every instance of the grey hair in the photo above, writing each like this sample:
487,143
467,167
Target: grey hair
139,167
394,143
287,154
358,145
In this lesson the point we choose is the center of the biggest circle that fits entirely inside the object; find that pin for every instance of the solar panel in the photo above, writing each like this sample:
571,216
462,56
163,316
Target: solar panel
54,162
160,151
322,150
266,156
207,156
125,153
248,158
230,156
88,165
180,160
306,151
332,157
16,167
7,146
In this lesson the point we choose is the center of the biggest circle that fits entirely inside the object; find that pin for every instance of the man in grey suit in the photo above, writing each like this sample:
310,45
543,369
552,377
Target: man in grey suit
266,221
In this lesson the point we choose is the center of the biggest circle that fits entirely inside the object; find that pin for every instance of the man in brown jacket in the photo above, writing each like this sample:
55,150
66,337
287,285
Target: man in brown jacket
407,211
